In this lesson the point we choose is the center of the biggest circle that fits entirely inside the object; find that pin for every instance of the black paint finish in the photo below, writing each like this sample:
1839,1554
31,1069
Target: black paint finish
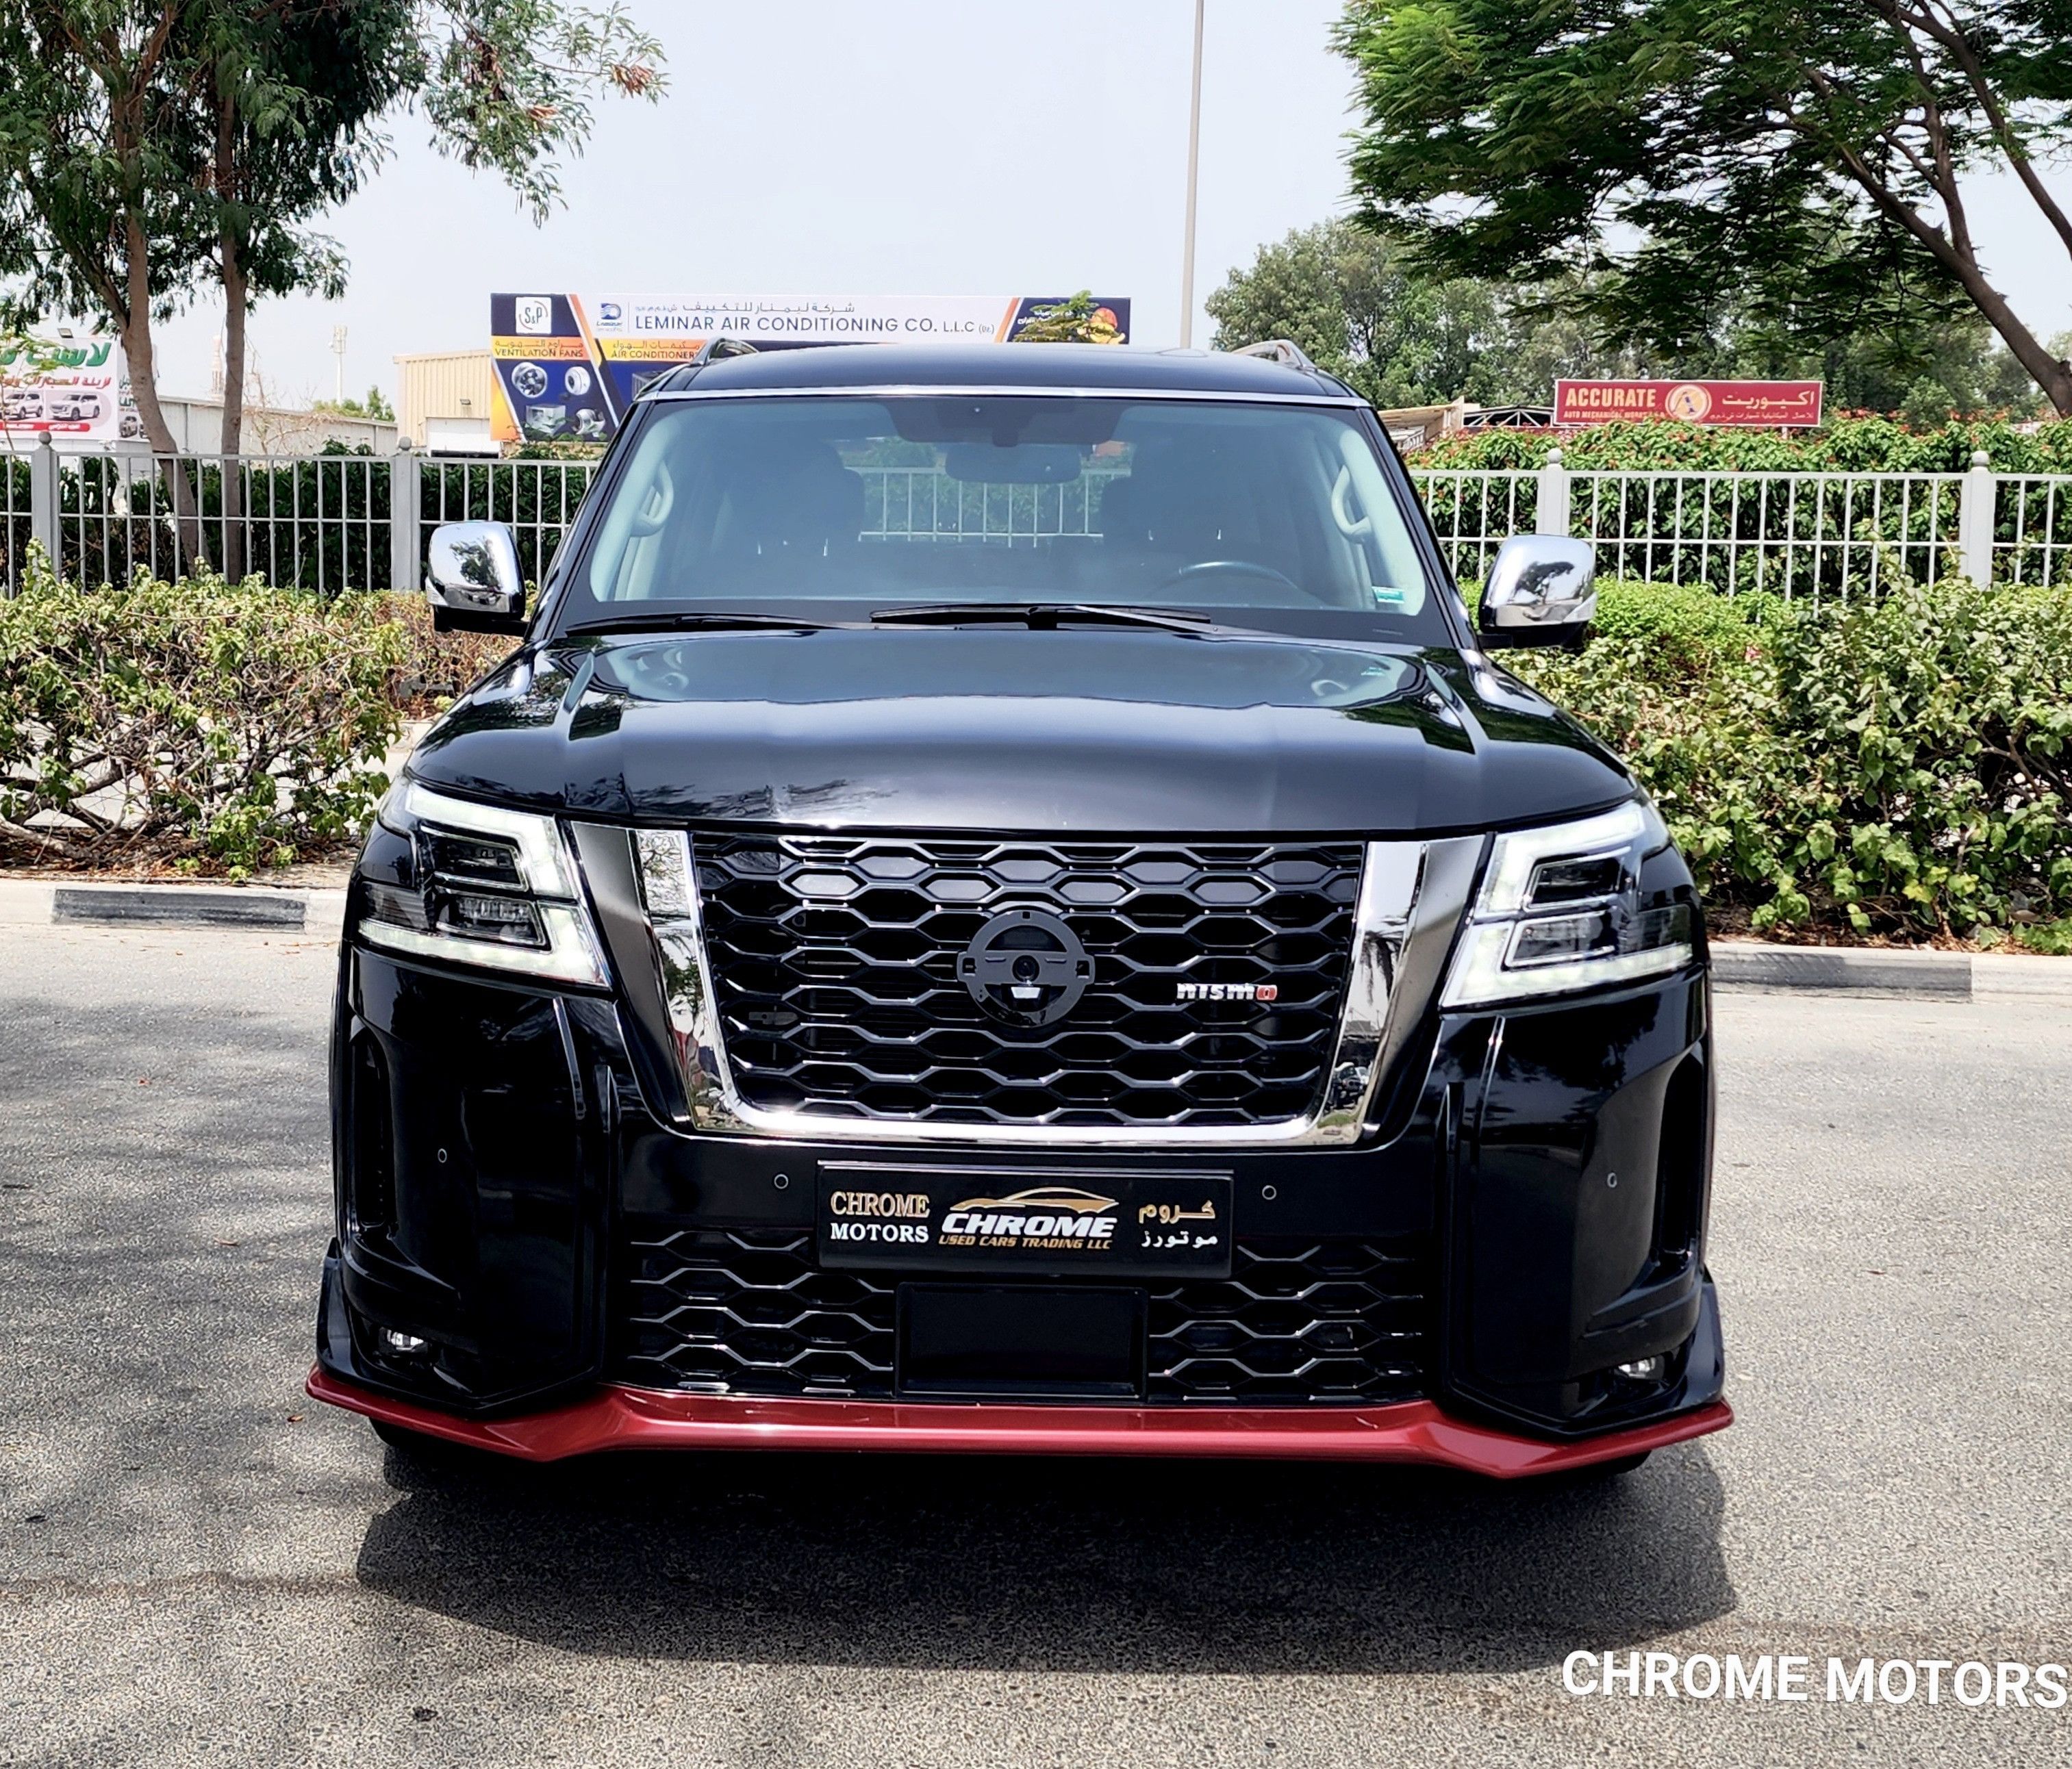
1092,731
515,1188
1537,1276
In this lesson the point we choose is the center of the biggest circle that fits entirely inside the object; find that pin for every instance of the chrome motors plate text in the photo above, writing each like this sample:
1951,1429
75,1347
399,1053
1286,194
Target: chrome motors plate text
1030,1221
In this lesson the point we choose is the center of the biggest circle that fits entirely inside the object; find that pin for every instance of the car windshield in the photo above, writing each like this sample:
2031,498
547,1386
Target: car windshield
1229,509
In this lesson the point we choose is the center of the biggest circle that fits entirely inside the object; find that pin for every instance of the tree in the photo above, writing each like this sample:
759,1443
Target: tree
1802,161
148,145
287,96
96,174
1362,308
376,406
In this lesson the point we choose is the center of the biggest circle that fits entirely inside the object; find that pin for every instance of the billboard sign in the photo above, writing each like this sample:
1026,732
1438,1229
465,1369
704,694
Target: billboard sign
68,389
1767,404
569,366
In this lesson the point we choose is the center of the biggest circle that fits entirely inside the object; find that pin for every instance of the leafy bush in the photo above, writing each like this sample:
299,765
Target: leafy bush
1844,444
1897,767
215,727
436,667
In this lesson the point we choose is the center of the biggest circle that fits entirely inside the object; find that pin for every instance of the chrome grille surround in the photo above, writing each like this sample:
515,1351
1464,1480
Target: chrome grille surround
1406,912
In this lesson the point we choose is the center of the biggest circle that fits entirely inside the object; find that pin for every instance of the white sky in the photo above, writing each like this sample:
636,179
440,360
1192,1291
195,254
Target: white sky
936,147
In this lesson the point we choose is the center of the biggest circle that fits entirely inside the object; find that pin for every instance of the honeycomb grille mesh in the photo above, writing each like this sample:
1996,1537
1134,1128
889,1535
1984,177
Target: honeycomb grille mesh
748,1312
835,962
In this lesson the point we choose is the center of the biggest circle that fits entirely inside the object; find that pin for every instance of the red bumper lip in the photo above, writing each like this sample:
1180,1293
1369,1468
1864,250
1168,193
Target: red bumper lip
630,1418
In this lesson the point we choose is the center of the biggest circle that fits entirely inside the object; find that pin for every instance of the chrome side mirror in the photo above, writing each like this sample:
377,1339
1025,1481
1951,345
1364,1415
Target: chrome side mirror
472,581
1542,590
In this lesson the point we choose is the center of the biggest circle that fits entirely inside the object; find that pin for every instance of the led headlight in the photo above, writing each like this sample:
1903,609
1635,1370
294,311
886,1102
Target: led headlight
1560,910
486,887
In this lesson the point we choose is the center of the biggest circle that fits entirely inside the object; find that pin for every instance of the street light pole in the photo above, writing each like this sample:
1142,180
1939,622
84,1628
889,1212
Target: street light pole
1193,165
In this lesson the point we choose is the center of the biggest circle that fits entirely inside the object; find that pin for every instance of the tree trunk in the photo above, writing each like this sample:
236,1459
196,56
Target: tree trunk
236,298
141,357
1950,243
2054,376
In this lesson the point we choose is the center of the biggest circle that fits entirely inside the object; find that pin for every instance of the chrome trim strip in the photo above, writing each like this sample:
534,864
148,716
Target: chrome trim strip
669,889
1412,897
903,390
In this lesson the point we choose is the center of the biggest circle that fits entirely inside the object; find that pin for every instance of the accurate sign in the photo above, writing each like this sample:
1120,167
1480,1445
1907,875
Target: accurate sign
1757,404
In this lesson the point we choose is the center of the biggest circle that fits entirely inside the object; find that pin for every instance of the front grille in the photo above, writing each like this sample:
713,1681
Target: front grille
835,962
748,1312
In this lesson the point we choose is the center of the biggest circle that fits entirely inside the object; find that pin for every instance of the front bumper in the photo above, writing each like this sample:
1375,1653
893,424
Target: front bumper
1549,1168
615,1418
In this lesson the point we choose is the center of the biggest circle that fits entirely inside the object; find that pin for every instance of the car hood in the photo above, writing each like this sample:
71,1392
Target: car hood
1095,730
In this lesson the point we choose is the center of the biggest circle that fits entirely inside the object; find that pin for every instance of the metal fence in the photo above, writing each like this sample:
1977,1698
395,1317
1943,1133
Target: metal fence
1815,535
325,522
328,523
538,499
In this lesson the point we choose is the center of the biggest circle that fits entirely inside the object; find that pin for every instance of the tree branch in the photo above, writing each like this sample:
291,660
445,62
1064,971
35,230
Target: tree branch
1997,120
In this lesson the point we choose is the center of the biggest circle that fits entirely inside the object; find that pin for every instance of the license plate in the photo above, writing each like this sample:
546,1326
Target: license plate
1024,1220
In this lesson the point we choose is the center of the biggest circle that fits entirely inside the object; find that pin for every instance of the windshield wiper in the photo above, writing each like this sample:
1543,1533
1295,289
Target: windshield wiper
696,620
1047,616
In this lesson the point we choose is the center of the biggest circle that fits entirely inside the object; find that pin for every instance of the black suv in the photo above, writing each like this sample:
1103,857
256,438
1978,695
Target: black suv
1002,903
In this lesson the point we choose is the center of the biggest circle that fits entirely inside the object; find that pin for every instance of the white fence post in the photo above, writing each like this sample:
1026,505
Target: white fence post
1553,503
1976,513
405,486
43,527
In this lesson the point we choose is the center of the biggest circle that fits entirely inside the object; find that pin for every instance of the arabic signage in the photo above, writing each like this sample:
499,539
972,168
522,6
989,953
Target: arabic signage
570,366
978,1219
1768,405
72,388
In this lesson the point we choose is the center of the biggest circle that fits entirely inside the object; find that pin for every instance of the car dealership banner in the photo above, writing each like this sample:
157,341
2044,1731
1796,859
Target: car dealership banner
569,366
69,389
1769,404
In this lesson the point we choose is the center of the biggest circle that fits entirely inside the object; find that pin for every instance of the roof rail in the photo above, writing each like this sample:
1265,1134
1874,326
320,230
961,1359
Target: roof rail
1277,349
675,378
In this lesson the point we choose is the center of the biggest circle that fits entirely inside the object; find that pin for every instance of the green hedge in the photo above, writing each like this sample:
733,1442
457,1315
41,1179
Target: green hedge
1846,444
1897,767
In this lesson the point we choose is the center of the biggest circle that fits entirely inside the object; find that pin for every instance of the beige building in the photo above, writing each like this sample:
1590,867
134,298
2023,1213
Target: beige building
445,400
197,428
1414,427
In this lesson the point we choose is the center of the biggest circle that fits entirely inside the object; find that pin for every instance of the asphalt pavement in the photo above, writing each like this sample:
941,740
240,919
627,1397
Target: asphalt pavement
198,1564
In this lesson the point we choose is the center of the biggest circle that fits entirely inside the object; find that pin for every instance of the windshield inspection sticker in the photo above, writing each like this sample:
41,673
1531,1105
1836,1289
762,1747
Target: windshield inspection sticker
997,1219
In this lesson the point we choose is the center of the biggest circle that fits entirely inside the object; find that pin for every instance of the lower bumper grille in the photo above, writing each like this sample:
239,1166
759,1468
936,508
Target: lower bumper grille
748,1311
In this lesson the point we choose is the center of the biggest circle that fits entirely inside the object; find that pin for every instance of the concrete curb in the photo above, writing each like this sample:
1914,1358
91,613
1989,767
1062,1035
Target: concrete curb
1738,964
27,902
106,906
